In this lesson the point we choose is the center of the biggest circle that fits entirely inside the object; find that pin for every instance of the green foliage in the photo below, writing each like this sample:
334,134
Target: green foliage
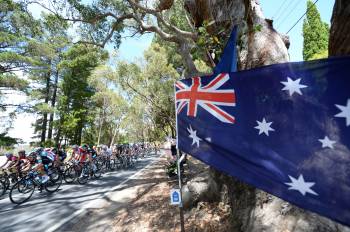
76,103
96,28
150,88
110,107
11,81
48,143
7,141
315,32
17,28
320,55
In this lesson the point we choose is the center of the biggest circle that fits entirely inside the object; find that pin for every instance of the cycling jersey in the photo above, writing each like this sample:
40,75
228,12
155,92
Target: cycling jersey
45,157
83,154
62,155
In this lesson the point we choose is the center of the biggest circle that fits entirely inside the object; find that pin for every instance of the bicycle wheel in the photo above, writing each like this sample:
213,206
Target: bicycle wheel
70,175
54,182
6,181
84,176
98,171
118,163
22,191
112,164
2,188
125,162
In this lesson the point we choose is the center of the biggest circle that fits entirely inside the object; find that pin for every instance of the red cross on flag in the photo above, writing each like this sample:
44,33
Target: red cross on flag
209,97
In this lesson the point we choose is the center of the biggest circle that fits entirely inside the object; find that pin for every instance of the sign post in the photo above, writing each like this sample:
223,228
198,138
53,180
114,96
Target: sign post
182,221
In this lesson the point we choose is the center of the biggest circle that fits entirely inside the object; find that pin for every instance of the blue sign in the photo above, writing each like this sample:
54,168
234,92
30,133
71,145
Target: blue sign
175,197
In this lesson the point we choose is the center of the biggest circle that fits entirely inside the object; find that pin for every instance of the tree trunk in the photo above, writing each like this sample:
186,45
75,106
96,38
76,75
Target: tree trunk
53,103
260,44
99,131
59,130
339,41
114,135
47,96
78,133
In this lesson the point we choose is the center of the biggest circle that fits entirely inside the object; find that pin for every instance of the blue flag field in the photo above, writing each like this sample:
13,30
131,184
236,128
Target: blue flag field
284,128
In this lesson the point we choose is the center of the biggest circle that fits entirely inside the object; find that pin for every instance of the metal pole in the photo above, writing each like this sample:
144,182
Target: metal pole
182,221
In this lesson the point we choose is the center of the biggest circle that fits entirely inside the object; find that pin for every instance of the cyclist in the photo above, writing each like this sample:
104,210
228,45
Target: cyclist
41,160
11,161
60,155
22,159
83,153
75,154
86,155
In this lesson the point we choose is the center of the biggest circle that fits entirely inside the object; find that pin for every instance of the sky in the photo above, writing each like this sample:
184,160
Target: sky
284,13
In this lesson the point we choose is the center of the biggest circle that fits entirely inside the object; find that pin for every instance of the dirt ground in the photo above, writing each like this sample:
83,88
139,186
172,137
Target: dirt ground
151,210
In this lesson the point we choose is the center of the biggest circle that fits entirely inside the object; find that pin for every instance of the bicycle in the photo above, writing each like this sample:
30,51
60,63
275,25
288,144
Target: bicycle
8,177
87,171
23,190
72,172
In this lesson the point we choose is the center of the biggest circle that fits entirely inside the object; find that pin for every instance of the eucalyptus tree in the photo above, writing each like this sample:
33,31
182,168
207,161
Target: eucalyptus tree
153,83
110,106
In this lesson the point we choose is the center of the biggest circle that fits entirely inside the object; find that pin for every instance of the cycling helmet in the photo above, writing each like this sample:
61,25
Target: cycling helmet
75,147
104,147
84,147
8,155
36,151
32,154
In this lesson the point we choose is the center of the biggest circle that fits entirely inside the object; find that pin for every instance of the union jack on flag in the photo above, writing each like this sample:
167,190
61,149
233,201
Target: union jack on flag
208,96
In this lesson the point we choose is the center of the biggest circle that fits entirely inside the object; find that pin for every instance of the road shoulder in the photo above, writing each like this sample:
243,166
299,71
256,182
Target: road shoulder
99,214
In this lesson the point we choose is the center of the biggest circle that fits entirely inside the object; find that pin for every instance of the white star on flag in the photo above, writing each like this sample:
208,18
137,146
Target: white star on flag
300,185
345,112
293,86
326,142
193,136
264,127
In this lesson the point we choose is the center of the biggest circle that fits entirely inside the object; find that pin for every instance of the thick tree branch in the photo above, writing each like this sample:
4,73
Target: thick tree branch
157,14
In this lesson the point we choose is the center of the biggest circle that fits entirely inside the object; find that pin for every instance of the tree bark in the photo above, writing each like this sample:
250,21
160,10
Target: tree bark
339,41
53,103
99,130
113,137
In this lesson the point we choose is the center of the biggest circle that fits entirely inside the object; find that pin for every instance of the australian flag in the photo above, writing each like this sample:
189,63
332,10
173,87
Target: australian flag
283,128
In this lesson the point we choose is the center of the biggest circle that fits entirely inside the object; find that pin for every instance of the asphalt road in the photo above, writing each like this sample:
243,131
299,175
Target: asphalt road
44,211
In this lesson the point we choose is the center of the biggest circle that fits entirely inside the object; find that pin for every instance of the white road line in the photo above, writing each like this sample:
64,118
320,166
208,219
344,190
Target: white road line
81,211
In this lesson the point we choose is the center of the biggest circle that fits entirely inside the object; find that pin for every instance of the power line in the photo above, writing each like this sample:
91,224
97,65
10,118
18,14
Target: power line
277,12
307,10
283,9
286,17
